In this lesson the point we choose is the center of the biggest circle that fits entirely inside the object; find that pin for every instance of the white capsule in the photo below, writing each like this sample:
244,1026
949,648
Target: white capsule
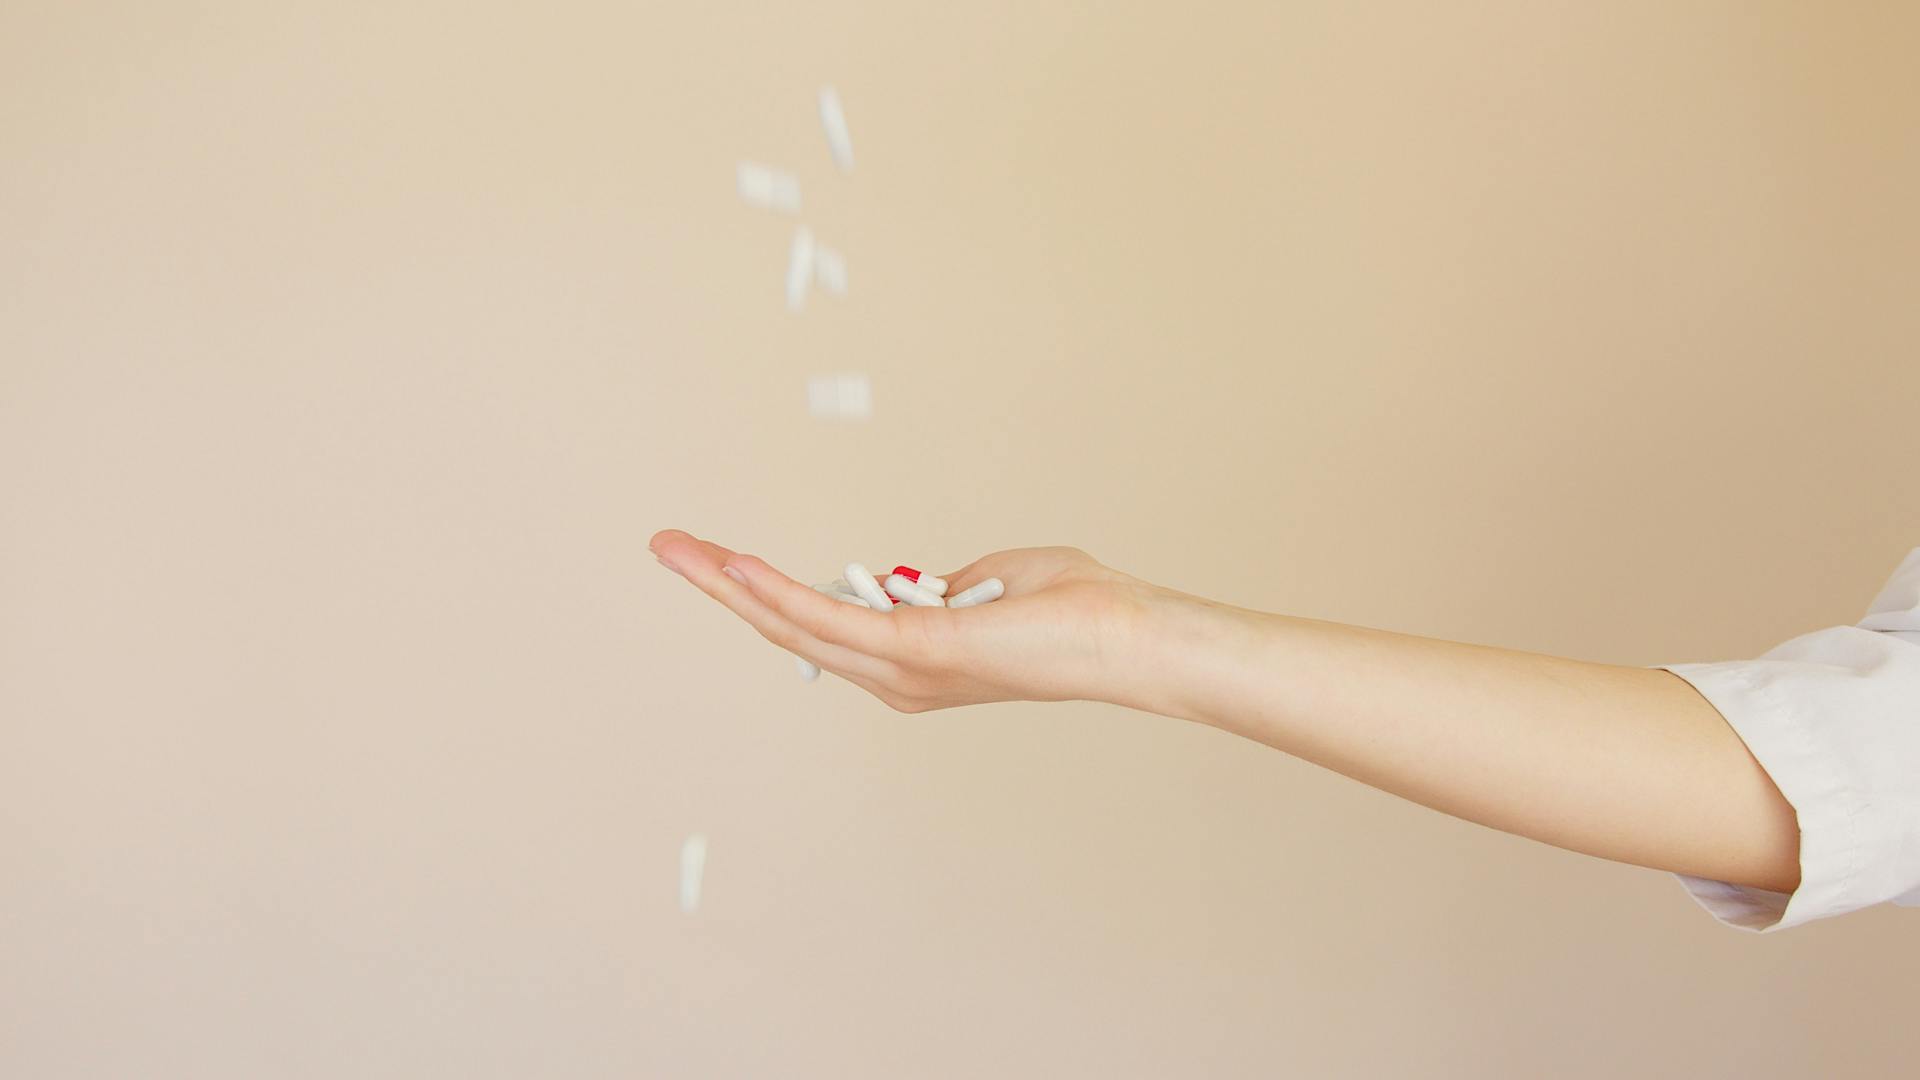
767,188
833,119
693,867
809,670
799,268
755,183
840,590
846,396
830,269
868,589
904,587
984,593
786,191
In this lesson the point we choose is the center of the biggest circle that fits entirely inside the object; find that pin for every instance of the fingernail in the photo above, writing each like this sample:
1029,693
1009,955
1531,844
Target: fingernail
668,565
734,574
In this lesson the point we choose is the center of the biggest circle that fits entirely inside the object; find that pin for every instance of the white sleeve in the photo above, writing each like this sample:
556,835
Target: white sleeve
1834,718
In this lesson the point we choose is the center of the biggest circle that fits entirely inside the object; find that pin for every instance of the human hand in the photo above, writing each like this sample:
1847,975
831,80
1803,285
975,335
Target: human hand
1064,630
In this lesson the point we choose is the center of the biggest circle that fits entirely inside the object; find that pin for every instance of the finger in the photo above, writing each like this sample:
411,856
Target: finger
667,542
703,564
977,571
832,621
955,578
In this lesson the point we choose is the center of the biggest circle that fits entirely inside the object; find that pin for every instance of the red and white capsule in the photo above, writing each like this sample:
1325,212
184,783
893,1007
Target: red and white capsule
907,591
935,585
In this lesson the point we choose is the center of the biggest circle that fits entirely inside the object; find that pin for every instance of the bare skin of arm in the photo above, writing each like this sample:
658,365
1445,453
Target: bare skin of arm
1625,763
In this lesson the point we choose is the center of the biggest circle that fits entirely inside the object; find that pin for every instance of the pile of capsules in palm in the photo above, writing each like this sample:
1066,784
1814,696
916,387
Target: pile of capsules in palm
904,585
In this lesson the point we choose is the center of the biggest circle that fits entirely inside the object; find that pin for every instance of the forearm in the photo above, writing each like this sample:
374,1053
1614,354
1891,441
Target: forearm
1623,763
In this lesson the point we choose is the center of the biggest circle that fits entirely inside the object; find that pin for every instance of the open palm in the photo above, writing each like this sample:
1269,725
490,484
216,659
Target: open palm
1056,634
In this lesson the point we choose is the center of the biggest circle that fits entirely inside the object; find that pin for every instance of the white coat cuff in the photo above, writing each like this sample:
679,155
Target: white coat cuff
1810,778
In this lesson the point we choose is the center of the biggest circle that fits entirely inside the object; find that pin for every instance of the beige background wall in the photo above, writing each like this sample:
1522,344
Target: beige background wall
348,356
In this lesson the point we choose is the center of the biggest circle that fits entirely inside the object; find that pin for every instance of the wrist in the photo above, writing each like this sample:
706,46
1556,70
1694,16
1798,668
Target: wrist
1181,652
